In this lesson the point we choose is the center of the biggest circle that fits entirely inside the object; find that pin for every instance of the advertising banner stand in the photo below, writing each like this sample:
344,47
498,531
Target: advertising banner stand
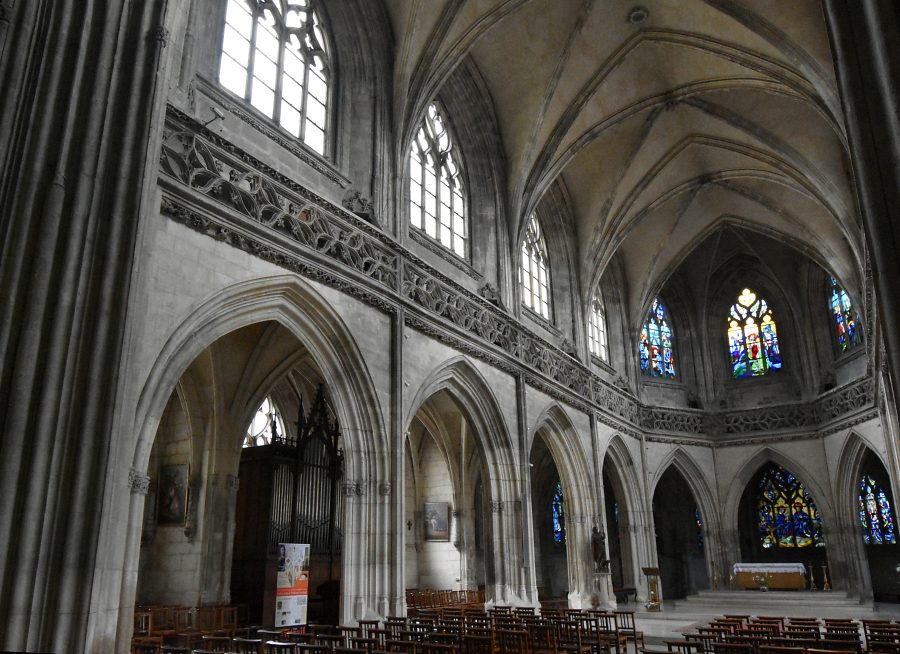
292,586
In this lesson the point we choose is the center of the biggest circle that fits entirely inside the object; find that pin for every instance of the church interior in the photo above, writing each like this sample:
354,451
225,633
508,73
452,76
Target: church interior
548,319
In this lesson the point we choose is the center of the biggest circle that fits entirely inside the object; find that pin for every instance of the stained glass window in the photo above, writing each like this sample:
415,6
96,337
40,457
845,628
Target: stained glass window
597,328
266,425
534,271
698,523
752,337
437,204
846,320
559,514
274,56
655,348
786,513
875,513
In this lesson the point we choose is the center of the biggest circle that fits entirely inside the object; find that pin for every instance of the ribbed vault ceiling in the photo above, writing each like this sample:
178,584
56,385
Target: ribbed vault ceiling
706,111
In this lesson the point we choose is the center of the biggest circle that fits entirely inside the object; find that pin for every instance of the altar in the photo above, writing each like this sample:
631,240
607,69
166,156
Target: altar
782,576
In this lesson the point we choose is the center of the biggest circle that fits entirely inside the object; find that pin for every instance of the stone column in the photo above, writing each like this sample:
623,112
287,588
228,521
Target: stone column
529,581
865,45
398,531
81,100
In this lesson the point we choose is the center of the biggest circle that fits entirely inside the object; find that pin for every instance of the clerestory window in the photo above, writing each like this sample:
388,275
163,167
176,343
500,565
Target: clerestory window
437,200
535,274
846,319
274,56
752,337
597,328
655,347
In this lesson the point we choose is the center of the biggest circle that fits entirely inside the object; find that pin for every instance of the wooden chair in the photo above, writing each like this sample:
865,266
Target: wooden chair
569,637
246,645
510,641
146,645
540,637
215,643
174,649
436,648
625,625
404,646
732,648
684,646
777,649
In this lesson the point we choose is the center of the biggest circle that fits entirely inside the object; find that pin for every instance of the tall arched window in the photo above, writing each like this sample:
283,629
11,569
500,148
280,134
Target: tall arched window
597,328
535,271
655,347
274,55
875,513
752,337
558,508
266,425
437,203
846,319
786,514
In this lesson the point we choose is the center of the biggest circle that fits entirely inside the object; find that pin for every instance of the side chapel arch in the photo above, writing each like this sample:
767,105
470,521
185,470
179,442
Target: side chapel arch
294,304
559,435
478,404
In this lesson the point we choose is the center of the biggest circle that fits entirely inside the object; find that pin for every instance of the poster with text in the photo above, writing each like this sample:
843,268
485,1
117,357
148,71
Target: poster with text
292,587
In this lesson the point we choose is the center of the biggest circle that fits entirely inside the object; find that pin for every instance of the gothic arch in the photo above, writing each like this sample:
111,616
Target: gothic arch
624,478
293,303
476,401
561,438
696,481
821,494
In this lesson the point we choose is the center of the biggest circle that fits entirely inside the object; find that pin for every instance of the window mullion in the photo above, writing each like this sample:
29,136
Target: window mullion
251,61
279,73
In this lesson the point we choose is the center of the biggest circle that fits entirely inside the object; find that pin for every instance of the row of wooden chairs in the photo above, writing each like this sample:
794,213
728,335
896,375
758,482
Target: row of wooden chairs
417,599
779,635
500,631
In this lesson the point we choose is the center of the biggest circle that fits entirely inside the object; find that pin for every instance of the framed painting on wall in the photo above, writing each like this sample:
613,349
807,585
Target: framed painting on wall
437,523
172,494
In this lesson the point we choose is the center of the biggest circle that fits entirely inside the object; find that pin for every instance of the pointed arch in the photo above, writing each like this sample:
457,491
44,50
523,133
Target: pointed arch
293,303
696,480
749,469
476,401
562,440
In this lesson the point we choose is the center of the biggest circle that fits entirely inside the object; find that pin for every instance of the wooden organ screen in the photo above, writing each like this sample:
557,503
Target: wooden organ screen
289,492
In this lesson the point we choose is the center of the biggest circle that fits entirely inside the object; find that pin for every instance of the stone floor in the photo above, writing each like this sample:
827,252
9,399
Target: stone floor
682,615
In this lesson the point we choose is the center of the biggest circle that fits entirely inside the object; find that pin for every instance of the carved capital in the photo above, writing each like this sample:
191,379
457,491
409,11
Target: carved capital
139,483
384,488
354,488
232,483
496,506
161,35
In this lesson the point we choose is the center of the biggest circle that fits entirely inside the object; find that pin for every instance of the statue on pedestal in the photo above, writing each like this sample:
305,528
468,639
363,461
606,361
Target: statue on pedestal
598,550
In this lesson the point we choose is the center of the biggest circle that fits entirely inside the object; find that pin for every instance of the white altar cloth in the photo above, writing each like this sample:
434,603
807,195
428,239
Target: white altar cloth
771,568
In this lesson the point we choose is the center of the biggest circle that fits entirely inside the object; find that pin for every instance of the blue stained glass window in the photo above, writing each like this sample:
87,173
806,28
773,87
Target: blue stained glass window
655,348
846,320
559,514
786,513
875,513
752,337
698,521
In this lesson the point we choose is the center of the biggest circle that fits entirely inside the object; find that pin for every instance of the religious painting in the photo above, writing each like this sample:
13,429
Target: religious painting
172,494
437,522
